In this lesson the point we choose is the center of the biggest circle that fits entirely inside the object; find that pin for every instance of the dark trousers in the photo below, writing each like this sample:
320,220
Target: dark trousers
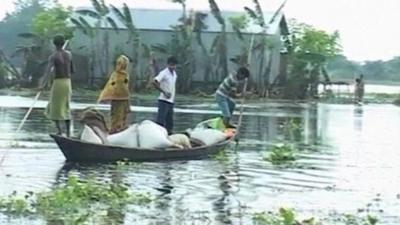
165,115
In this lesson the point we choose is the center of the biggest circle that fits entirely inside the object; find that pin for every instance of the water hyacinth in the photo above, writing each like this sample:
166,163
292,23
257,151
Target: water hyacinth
76,202
281,153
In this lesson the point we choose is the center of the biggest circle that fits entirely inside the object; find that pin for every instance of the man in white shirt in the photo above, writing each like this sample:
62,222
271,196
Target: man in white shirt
165,82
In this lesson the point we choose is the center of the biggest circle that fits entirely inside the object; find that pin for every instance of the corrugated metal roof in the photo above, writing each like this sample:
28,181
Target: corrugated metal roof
163,19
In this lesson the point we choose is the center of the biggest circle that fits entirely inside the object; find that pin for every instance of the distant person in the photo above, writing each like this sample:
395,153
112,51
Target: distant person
227,92
359,89
58,108
165,82
116,91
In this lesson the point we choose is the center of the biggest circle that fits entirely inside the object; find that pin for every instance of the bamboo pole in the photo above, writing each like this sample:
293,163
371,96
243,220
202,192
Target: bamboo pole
29,110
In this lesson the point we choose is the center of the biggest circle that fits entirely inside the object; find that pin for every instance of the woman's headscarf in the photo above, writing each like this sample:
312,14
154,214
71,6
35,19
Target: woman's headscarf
117,87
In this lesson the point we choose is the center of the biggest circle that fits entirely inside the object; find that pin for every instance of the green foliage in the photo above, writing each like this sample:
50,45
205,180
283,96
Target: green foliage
52,21
76,202
308,49
349,219
293,129
221,156
281,154
216,12
340,67
397,101
15,205
285,216
305,38
18,22
239,23
181,47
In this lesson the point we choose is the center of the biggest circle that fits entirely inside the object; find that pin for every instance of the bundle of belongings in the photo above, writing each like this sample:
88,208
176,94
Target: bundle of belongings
211,131
149,135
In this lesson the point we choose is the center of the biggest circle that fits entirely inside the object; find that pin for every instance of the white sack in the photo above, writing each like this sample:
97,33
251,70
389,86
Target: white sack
125,138
90,136
152,135
207,136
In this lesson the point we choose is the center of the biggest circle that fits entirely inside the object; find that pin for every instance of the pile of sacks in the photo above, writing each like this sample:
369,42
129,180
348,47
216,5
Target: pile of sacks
146,135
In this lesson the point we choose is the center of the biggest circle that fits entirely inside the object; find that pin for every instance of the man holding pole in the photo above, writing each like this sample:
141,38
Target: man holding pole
58,108
226,93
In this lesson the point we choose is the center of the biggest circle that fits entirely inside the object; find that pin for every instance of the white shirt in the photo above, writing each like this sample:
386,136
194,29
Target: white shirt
167,82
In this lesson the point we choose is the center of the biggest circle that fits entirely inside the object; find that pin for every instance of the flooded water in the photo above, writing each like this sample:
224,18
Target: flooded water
369,88
349,159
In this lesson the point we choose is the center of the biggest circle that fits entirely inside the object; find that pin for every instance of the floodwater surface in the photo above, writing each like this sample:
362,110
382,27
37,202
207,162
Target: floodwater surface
349,161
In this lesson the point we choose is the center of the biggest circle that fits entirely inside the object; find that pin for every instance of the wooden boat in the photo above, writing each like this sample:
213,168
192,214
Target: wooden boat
76,150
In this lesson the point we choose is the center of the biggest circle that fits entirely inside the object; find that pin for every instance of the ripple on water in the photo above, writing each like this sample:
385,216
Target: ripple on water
341,166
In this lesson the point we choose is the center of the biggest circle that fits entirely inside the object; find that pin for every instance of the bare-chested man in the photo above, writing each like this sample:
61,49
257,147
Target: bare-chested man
58,108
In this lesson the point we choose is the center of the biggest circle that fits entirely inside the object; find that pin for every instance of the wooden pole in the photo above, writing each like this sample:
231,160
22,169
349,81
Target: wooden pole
244,92
30,109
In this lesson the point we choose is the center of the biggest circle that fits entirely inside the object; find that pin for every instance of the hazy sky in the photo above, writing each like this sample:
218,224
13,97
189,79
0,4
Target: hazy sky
369,28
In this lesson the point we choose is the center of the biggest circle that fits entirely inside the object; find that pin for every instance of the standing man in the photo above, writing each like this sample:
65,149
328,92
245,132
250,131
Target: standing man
226,93
359,89
165,82
58,108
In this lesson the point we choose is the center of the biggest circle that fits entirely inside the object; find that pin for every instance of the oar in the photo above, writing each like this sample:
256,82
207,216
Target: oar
30,109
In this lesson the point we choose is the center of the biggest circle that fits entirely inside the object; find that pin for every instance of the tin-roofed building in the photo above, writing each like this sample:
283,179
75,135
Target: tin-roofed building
155,26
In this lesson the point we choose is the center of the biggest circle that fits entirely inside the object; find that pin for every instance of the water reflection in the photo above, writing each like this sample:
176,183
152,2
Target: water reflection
348,155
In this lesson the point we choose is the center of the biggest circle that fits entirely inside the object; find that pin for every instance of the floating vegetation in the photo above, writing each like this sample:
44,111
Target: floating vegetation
76,202
293,129
221,156
281,154
123,164
287,216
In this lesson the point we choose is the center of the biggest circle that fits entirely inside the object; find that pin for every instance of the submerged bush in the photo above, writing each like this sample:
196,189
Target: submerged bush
281,153
76,202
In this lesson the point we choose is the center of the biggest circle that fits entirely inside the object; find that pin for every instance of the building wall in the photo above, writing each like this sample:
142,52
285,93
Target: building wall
80,44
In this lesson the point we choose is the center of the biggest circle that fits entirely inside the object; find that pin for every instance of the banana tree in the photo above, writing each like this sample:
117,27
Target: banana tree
218,48
124,16
100,15
83,26
263,48
183,4
181,47
198,27
239,23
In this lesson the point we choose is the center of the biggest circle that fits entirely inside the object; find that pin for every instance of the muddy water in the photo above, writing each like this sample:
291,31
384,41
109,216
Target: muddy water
349,160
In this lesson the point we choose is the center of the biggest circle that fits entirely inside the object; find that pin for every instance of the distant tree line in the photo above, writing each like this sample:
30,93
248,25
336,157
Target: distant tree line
340,67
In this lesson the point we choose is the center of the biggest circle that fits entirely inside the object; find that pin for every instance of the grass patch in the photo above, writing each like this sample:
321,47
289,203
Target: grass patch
282,154
76,202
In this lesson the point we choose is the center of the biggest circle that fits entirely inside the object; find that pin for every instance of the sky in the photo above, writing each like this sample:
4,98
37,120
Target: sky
368,28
